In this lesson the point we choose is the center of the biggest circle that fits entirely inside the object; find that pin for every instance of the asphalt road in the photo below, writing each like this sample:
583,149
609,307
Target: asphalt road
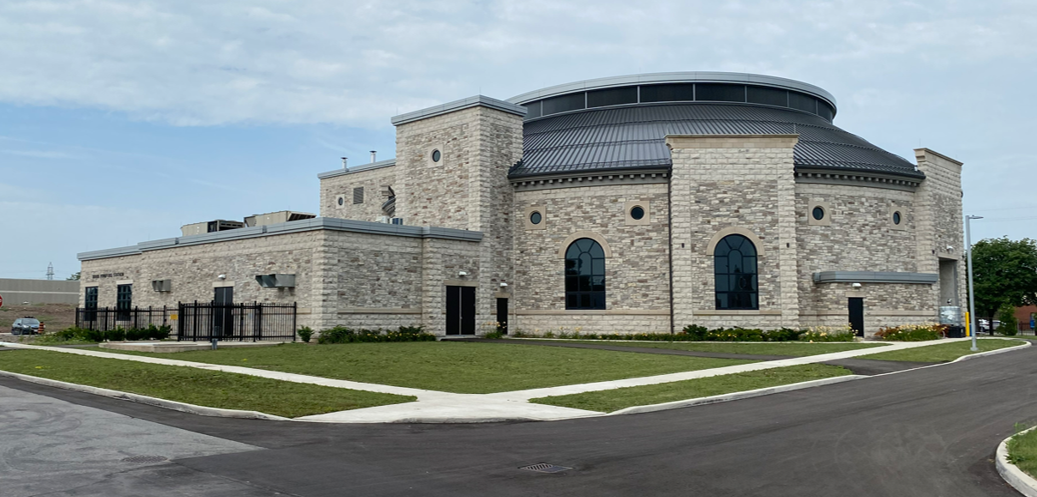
928,432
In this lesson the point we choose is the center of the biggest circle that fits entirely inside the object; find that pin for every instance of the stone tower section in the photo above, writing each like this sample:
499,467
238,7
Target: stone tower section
940,235
452,165
733,184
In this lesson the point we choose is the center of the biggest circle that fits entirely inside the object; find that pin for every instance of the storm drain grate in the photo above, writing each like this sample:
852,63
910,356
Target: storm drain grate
545,468
144,459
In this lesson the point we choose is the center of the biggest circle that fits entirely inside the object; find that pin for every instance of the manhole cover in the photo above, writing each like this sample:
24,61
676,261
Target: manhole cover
144,459
545,468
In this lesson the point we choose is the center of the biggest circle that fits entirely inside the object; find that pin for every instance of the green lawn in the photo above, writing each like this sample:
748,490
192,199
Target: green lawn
944,352
460,367
614,400
792,349
193,386
1022,451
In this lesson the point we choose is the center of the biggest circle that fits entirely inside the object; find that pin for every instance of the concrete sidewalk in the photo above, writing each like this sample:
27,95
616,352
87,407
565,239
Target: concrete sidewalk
445,407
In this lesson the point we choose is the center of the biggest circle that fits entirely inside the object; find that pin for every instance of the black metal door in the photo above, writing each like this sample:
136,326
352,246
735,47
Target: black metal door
453,310
460,310
468,310
223,312
857,315
502,315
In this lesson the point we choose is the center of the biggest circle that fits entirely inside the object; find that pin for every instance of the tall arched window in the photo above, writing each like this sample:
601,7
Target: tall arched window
734,266
584,275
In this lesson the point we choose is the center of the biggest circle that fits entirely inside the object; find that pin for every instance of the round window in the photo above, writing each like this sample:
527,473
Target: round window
819,213
637,212
341,201
436,155
896,217
535,217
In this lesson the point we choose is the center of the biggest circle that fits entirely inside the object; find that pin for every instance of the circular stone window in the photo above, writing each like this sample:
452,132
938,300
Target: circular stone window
818,213
637,212
896,217
535,217
436,156
341,201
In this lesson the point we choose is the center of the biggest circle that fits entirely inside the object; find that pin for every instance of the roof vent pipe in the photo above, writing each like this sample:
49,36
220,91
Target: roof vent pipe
344,163
372,156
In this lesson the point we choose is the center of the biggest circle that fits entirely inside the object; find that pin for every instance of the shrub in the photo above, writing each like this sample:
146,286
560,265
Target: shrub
912,332
159,332
493,335
116,335
305,333
135,334
844,333
1009,325
342,334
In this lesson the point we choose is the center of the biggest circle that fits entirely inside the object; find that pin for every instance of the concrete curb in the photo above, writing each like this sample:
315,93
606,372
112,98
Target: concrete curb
993,352
1015,477
144,399
727,397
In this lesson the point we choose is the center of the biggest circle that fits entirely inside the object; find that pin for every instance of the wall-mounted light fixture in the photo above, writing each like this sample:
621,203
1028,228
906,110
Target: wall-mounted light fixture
221,277
462,274
856,285
503,285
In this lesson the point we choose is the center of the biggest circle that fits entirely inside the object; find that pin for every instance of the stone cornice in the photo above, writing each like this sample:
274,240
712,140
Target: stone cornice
857,178
921,153
575,179
731,141
456,105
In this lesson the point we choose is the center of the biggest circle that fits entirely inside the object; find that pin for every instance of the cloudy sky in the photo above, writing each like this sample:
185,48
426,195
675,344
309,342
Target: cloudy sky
122,120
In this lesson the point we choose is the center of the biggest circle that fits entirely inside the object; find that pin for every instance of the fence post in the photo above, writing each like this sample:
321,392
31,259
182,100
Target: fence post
295,314
77,316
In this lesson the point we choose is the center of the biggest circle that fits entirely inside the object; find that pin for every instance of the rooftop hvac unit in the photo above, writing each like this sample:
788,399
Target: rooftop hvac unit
384,219
162,285
276,280
397,220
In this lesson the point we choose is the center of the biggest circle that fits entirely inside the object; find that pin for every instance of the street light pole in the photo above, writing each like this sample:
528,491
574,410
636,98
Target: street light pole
972,295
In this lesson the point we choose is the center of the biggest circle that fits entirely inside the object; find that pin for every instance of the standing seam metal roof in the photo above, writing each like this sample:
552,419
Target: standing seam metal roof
634,137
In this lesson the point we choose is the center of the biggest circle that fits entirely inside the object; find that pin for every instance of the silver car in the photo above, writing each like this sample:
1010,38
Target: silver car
26,326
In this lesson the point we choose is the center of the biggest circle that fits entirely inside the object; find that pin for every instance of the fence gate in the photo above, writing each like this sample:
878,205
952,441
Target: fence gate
224,320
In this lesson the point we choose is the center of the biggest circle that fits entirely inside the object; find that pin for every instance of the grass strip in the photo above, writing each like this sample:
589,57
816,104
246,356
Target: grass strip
193,386
1022,452
620,398
944,352
791,349
460,367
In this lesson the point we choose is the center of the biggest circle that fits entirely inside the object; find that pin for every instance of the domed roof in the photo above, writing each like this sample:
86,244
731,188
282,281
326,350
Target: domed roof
621,123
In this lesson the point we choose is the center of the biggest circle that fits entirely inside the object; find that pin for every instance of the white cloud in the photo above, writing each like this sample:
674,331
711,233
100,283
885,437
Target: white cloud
274,61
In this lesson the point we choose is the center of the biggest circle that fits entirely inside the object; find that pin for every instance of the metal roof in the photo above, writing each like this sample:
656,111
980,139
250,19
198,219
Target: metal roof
634,138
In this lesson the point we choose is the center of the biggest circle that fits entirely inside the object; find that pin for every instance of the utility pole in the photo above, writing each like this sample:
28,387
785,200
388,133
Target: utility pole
972,295
50,271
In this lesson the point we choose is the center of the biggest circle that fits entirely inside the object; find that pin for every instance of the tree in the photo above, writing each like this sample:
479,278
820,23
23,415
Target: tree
74,276
1004,273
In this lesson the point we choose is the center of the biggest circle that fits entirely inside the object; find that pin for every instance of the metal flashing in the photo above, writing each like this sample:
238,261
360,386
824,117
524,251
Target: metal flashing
456,105
675,77
356,169
315,224
875,277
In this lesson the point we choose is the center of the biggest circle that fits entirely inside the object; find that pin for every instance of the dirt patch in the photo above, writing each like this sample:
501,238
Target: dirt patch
55,316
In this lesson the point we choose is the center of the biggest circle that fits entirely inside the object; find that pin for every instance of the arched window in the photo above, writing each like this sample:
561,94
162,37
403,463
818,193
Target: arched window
585,275
734,266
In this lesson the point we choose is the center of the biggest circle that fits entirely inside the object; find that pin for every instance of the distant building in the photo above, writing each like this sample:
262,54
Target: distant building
20,291
631,204
1024,315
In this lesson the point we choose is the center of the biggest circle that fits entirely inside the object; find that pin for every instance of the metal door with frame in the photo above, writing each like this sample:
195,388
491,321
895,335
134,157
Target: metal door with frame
856,308
223,311
460,310
502,315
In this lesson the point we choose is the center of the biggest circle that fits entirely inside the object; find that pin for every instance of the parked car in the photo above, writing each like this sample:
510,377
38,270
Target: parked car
26,326
984,325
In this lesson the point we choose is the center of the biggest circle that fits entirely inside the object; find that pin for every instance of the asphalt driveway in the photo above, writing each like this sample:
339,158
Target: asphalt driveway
928,432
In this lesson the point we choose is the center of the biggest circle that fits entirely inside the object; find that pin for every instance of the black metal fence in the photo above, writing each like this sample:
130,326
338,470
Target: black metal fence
109,318
242,322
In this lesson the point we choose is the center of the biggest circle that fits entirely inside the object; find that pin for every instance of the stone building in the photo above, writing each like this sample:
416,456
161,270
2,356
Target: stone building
631,204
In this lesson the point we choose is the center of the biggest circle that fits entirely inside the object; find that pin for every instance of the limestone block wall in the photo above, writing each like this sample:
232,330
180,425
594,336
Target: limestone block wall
194,271
376,184
369,281
442,261
858,234
941,232
637,272
724,185
107,274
